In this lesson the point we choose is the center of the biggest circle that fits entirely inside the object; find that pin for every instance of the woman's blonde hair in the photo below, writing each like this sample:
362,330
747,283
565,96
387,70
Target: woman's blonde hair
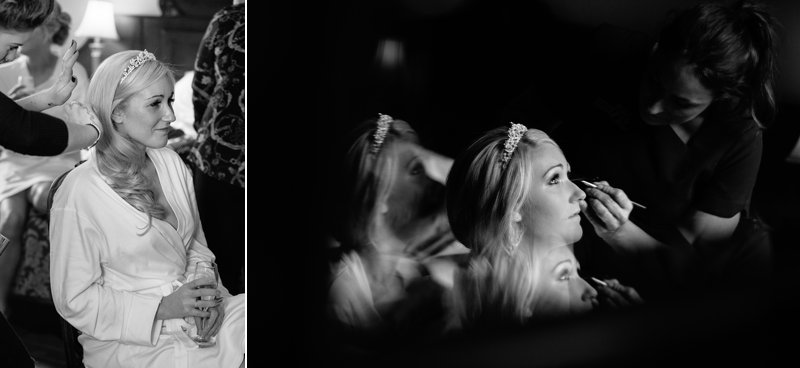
483,199
368,178
118,158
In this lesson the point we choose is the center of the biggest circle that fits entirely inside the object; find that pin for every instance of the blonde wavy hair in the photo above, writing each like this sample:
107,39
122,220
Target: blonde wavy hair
482,200
368,178
118,158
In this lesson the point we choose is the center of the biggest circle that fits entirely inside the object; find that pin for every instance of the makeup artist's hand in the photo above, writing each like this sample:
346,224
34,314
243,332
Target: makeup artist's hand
607,208
62,89
614,295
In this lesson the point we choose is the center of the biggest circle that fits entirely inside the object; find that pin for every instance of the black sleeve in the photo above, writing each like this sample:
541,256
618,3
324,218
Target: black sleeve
733,180
30,133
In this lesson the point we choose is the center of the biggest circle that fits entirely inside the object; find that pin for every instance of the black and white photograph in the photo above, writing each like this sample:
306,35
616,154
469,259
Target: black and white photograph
563,183
122,183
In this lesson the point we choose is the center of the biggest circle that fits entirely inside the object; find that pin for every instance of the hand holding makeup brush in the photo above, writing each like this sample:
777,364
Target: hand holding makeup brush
613,295
607,208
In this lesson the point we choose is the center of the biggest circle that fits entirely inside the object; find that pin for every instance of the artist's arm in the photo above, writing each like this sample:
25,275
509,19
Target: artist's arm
608,209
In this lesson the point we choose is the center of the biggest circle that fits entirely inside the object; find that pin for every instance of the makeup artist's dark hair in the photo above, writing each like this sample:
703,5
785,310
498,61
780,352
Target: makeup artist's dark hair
24,15
734,48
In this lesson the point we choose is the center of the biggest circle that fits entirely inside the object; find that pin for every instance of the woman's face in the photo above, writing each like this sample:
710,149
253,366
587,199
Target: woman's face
415,200
10,44
551,215
671,93
559,289
146,116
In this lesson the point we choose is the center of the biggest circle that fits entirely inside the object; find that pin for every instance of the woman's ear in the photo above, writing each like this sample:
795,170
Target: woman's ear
516,217
117,117
383,208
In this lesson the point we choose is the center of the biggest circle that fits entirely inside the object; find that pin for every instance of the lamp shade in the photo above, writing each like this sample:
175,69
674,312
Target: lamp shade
98,21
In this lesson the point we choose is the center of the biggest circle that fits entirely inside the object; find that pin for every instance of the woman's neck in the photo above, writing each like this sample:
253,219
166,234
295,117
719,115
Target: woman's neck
533,248
686,130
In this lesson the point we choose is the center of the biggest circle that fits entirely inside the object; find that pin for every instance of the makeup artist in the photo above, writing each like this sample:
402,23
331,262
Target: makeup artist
675,125
22,128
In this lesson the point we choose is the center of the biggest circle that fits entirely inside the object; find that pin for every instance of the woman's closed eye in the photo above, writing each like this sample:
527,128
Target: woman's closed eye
682,104
416,167
565,271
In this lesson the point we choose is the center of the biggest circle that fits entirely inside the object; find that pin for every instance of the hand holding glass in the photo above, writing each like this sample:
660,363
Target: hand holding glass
204,270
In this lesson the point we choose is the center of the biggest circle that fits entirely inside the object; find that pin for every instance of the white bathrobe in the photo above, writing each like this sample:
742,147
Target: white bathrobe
108,275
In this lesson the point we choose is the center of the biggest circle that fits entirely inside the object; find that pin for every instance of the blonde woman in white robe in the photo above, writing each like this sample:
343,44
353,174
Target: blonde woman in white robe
125,230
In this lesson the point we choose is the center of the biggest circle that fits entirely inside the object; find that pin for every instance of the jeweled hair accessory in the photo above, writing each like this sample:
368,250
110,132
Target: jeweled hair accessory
515,133
133,63
380,132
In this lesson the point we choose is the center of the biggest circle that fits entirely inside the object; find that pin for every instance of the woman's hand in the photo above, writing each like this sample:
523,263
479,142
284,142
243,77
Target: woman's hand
61,90
185,302
211,324
607,208
614,295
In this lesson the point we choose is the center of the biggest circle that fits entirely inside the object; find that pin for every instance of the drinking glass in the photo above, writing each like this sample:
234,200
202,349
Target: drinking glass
204,270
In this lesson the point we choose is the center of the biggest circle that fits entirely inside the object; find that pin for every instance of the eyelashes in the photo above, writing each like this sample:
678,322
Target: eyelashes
169,101
556,179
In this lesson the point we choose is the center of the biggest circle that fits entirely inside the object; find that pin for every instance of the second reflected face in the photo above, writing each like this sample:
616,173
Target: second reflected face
414,198
559,289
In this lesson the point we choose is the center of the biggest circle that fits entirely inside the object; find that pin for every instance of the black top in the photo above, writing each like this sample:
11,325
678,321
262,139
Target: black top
605,139
30,133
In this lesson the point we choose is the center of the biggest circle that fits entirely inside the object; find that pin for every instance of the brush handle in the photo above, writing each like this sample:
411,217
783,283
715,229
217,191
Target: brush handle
595,186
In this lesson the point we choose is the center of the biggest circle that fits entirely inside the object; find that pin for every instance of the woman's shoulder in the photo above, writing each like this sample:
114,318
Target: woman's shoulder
737,129
79,183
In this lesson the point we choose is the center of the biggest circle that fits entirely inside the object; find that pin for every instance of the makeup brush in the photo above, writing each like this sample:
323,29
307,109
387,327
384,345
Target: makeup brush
601,282
595,186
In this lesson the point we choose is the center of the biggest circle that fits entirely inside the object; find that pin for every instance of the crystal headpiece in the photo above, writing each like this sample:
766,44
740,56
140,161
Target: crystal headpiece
133,63
380,132
515,133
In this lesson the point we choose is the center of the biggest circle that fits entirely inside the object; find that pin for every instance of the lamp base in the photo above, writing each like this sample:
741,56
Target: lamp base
97,50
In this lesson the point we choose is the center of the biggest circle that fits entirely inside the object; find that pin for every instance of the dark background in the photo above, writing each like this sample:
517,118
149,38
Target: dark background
465,61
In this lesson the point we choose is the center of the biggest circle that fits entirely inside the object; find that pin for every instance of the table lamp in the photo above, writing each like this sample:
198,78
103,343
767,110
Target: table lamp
98,23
